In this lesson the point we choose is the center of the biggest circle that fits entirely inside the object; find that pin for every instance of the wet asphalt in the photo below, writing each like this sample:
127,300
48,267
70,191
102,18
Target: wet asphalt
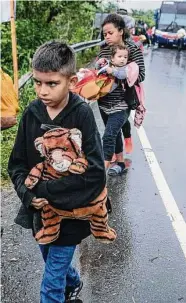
146,262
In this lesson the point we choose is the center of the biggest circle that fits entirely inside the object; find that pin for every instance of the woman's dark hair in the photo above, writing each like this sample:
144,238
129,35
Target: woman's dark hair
118,23
102,36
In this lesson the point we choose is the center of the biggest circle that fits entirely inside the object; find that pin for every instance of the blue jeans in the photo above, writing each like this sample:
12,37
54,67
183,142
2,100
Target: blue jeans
58,273
112,138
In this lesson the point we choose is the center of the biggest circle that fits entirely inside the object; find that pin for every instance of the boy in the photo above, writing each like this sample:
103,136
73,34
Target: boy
54,71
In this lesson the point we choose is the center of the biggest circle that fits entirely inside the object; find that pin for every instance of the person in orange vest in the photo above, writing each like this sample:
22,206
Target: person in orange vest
9,102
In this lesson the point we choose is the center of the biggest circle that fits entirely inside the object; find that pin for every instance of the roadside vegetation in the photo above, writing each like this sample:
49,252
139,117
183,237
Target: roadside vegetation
144,16
36,23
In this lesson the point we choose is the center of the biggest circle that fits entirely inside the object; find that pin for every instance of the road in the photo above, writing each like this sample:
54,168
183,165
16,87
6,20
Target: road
147,261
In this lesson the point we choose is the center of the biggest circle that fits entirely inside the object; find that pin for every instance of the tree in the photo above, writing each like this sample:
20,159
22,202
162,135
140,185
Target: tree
144,16
40,21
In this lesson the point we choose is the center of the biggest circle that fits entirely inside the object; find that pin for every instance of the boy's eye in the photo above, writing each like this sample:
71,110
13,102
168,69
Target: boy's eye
52,84
37,82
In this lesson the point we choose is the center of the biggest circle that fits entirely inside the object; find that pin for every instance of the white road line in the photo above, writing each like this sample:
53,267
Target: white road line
169,202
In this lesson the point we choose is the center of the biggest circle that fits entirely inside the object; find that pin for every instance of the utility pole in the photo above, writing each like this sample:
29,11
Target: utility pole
14,45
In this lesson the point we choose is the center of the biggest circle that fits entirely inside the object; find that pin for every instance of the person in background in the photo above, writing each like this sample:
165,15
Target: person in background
153,35
117,68
113,107
126,129
181,33
149,33
9,102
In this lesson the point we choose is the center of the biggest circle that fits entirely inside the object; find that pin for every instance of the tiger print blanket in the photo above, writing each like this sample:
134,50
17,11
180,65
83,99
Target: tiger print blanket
61,149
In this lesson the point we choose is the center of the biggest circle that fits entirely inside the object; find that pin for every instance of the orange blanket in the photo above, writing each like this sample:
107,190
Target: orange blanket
93,86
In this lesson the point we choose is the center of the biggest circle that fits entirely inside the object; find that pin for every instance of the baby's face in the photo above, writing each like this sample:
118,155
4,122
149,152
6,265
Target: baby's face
120,58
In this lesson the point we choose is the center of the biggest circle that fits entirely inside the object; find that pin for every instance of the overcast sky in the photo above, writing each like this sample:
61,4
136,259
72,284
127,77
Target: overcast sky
138,4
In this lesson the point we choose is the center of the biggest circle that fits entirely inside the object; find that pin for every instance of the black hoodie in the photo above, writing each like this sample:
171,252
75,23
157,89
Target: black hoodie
69,192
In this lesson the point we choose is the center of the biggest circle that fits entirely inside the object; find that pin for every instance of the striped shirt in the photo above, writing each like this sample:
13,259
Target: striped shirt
115,101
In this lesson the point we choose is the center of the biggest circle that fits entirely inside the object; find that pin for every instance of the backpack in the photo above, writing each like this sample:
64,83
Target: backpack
131,96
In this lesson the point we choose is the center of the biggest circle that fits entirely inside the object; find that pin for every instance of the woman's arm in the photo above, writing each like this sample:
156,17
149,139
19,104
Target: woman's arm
137,56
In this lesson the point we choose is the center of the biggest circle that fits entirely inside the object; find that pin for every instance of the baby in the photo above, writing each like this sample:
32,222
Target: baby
108,75
117,66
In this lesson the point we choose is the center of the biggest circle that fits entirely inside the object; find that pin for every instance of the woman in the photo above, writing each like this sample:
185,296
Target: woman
113,107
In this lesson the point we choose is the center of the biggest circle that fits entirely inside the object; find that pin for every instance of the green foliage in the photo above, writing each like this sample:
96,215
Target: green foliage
27,94
37,22
6,45
85,58
110,7
145,16
41,21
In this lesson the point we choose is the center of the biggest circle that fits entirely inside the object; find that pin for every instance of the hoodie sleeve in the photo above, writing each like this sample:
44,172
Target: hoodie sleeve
120,73
76,191
18,168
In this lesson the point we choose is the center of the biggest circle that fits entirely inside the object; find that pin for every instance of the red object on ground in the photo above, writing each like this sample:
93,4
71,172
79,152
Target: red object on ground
138,42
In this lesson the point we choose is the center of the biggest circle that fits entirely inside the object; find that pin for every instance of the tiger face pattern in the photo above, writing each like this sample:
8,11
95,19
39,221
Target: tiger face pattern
63,155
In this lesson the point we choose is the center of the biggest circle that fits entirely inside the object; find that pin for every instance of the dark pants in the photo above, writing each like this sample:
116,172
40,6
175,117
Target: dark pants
180,43
112,138
153,39
126,130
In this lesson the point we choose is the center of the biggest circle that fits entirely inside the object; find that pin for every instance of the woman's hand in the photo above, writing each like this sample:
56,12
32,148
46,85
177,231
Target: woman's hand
39,202
109,70
102,62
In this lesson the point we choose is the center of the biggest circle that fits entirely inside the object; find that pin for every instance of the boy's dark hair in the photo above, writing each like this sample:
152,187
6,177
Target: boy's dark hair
114,49
54,56
118,22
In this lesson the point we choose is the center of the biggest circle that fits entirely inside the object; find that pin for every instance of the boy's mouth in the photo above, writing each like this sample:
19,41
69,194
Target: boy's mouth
45,100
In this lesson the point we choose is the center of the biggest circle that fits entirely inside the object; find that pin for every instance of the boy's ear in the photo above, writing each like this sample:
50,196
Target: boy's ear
73,82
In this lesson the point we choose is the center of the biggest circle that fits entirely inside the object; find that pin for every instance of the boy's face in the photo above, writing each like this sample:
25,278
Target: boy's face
52,87
120,58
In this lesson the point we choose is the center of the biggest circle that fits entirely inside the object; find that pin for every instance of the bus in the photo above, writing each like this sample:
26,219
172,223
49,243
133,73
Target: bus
169,19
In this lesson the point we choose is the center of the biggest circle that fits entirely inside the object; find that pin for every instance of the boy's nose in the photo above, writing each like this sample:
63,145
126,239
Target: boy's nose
43,90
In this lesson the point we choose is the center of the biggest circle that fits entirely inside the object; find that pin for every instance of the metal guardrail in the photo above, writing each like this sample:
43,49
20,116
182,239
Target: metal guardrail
78,47
85,45
24,79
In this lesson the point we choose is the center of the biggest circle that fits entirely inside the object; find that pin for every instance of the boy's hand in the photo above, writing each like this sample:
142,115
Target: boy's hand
39,202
